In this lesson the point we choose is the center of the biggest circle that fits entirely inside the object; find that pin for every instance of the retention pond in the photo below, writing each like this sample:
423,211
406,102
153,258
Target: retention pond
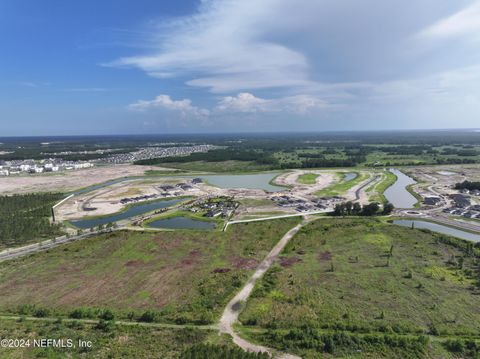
435,227
397,194
135,210
182,222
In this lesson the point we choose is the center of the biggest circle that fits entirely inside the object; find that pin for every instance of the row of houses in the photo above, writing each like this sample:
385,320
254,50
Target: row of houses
16,167
473,192
302,205
469,212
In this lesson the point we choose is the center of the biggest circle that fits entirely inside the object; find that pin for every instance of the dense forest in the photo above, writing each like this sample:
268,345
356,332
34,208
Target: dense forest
26,218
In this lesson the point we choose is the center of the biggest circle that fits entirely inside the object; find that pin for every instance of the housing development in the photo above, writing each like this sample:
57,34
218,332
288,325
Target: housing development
185,242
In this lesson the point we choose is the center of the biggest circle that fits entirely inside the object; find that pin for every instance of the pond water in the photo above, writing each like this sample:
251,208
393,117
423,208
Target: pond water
435,227
253,181
349,176
133,211
100,185
182,223
397,193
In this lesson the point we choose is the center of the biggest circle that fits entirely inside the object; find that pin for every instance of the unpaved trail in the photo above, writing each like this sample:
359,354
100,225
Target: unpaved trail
233,309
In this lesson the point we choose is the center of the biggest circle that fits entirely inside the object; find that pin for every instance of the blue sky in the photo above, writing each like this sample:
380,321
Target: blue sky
149,66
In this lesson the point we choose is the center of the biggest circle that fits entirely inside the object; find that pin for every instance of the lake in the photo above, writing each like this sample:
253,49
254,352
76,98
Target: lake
182,222
397,193
435,227
349,176
132,211
252,181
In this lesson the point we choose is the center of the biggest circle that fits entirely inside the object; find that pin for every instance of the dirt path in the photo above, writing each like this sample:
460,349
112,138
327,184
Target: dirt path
116,322
234,307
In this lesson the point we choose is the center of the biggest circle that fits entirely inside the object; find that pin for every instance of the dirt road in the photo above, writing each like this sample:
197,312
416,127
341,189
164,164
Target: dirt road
234,307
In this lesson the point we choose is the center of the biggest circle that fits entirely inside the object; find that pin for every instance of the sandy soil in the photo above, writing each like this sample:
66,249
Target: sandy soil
68,181
323,180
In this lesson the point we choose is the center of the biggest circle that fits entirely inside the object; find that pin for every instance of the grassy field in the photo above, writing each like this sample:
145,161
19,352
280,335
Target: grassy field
223,166
342,186
108,341
349,285
184,276
377,190
307,178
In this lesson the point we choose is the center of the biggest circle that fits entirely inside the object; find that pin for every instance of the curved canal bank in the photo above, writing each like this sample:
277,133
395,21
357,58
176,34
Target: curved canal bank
398,194
134,210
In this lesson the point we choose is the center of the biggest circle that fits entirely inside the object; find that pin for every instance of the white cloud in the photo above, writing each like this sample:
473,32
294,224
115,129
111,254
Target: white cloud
164,102
243,102
223,43
308,57
247,103
463,22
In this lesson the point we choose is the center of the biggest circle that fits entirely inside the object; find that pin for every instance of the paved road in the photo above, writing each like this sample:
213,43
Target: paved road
359,189
231,312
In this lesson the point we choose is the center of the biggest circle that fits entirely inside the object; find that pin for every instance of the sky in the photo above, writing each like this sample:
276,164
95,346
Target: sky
207,66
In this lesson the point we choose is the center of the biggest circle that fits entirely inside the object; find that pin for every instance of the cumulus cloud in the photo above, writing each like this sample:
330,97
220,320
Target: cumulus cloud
165,102
247,103
242,103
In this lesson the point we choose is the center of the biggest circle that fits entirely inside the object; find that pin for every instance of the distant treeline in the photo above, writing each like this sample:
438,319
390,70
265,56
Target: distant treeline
24,218
262,157
213,156
471,186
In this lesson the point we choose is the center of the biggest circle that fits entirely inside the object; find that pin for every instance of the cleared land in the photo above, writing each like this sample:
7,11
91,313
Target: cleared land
361,288
182,276
68,181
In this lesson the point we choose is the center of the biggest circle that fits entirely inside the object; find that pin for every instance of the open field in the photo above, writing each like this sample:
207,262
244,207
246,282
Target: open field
359,280
230,166
183,276
307,178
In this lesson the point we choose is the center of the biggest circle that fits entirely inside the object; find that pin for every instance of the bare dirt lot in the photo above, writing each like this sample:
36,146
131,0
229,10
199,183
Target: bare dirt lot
68,181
